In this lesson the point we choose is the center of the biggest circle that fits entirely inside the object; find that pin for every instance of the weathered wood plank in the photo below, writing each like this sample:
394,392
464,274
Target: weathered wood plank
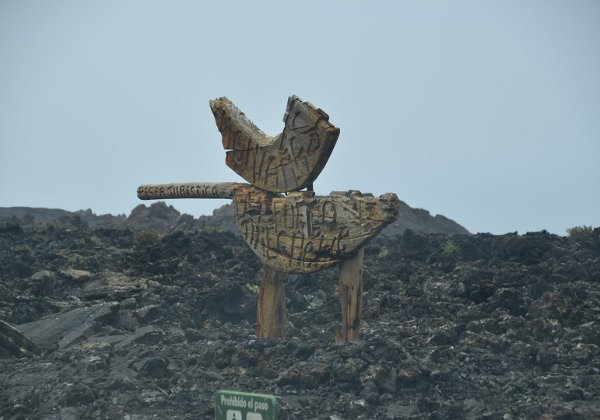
288,161
271,311
187,190
350,290
301,233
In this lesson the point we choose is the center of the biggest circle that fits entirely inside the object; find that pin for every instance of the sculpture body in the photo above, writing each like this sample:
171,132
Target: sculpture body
302,233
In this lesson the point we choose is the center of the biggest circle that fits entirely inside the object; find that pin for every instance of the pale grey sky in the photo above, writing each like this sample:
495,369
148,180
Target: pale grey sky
485,112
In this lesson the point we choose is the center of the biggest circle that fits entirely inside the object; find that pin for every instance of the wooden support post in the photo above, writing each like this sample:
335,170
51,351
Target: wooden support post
271,312
350,290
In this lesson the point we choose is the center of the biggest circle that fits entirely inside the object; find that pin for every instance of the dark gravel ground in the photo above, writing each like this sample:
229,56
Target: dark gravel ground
138,325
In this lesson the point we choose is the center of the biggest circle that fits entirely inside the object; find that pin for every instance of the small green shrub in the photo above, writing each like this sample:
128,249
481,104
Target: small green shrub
95,240
75,260
147,238
384,252
580,232
449,248
253,288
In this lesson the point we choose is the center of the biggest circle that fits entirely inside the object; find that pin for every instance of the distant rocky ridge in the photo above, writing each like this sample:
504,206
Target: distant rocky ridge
38,215
421,221
161,218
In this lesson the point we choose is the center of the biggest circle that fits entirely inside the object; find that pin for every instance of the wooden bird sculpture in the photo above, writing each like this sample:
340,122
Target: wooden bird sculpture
291,160
297,232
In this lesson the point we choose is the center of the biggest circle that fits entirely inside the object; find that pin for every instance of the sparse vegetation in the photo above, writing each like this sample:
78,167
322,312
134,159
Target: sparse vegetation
580,232
75,260
449,248
95,240
253,288
148,237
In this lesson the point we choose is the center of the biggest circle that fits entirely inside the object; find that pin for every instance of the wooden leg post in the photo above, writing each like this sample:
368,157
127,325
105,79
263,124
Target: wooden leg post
271,313
350,290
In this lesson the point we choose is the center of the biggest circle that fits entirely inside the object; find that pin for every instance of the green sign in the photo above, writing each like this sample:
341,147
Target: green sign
231,405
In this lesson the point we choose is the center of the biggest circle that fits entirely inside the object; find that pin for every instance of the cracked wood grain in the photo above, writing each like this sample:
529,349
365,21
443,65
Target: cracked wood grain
289,161
301,232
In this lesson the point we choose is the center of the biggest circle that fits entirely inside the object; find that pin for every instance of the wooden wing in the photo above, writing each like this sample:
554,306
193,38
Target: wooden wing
289,161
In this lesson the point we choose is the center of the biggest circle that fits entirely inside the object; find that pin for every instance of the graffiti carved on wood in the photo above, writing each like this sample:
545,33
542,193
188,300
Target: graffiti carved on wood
187,190
303,233
291,160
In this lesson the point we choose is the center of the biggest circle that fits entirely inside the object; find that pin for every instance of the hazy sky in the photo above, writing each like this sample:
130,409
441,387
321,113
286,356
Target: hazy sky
485,112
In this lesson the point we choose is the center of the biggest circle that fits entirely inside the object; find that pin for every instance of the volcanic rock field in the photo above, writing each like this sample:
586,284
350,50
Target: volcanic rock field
112,321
